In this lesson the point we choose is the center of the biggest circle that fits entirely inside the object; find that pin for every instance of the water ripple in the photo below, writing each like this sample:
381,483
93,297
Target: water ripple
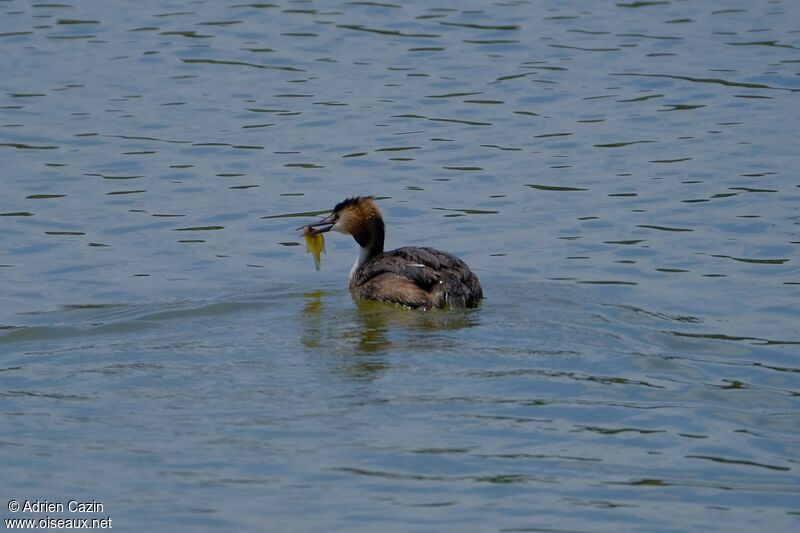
622,179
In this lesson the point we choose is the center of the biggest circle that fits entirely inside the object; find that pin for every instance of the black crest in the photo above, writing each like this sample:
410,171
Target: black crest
351,202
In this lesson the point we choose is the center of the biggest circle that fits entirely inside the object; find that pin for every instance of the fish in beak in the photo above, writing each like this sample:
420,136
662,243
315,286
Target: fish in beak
313,235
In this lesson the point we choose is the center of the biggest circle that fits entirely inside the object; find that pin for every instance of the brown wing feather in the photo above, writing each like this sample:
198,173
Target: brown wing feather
418,277
388,287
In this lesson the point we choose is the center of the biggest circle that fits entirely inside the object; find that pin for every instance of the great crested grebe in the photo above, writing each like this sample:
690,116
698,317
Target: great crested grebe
410,276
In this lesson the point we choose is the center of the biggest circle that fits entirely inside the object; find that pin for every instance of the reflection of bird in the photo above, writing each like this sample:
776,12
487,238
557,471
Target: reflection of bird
411,276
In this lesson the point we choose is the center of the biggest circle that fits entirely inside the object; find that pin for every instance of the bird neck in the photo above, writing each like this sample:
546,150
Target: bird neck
370,237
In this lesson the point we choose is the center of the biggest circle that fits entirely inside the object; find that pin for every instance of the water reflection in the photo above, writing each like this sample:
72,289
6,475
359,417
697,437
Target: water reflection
375,327
357,344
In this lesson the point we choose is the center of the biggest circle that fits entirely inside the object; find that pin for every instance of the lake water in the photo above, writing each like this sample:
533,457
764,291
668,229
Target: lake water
622,176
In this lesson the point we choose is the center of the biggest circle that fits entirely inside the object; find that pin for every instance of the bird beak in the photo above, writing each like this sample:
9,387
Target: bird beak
321,226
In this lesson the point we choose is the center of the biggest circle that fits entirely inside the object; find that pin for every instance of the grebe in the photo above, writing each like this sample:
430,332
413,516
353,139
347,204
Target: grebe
410,276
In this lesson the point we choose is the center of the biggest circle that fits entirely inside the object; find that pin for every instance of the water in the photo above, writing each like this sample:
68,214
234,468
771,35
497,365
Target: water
621,176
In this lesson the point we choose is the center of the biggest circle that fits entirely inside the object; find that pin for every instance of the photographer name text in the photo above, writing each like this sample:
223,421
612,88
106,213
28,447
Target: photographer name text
44,506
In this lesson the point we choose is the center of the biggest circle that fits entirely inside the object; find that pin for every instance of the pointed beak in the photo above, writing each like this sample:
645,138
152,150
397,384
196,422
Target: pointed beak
321,226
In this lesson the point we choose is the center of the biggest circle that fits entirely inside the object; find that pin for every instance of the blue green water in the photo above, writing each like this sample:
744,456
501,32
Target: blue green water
622,176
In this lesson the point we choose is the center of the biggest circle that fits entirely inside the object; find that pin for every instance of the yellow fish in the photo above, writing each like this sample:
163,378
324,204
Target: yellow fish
315,244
